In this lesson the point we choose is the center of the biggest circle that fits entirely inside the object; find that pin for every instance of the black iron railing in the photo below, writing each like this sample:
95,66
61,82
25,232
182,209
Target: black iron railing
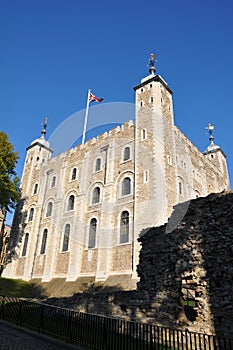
103,333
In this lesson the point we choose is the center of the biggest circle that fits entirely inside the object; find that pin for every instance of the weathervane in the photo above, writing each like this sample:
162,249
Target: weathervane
210,129
151,63
43,132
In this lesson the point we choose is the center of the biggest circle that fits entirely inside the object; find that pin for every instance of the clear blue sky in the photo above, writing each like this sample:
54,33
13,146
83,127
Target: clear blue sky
52,51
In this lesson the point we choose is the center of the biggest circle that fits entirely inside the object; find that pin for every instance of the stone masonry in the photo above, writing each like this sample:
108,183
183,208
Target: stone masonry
185,274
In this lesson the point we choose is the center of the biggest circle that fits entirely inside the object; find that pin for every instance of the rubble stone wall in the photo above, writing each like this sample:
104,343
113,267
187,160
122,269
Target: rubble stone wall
187,273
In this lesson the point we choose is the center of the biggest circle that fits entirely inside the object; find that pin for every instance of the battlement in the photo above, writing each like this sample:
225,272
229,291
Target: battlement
98,140
190,144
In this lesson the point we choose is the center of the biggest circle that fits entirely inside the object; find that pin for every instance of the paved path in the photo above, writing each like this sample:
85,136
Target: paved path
17,338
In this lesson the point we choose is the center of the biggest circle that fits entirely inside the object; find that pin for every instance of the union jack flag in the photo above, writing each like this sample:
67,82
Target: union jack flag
93,98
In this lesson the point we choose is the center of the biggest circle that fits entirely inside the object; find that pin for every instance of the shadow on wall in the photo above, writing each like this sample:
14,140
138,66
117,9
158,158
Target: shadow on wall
97,299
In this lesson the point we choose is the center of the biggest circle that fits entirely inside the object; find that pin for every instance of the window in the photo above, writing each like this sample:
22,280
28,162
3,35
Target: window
126,153
126,186
124,227
180,188
25,244
31,214
35,189
143,135
98,164
70,205
43,242
66,238
96,195
169,160
53,183
146,176
151,99
74,174
49,209
92,233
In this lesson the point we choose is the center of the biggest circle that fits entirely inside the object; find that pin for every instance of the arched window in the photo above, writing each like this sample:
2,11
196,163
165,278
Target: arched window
70,205
96,195
74,174
53,183
98,164
49,209
25,244
66,238
35,189
31,214
43,242
126,186
92,233
124,227
126,153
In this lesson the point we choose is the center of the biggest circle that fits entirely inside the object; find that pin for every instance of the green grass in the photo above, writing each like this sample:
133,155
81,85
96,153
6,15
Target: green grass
191,303
17,288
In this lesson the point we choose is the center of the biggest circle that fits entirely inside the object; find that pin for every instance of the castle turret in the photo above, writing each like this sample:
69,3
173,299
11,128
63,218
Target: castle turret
37,153
154,142
215,154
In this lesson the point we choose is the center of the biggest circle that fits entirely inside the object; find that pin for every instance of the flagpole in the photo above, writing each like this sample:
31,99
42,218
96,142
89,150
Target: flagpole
86,115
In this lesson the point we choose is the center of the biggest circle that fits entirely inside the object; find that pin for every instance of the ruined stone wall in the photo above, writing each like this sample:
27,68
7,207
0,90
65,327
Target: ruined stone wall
187,273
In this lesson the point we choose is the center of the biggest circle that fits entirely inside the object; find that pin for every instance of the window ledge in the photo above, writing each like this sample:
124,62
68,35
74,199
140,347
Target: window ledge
123,244
125,161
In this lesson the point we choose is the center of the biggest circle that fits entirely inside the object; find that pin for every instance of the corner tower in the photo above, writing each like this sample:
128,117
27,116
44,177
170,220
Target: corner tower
154,142
218,158
37,153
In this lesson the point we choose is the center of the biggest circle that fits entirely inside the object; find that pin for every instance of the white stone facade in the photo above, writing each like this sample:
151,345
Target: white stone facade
84,209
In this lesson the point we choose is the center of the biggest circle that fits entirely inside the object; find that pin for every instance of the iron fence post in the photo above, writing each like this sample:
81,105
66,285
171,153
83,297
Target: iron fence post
151,338
19,321
3,308
41,320
105,334
69,331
